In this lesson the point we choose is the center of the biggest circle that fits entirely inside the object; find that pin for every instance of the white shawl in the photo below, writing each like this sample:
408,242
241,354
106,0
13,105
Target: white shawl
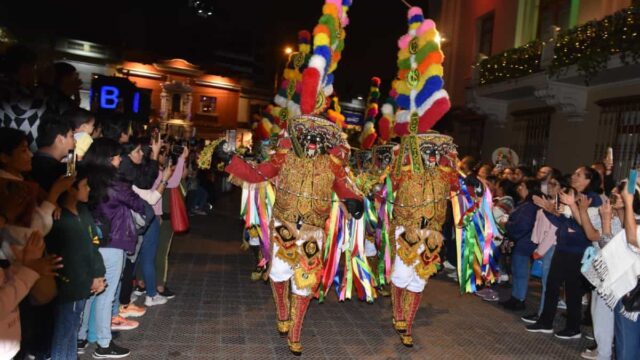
615,271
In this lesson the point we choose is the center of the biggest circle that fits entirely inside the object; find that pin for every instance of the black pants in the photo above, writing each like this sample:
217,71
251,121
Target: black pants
36,322
126,288
565,268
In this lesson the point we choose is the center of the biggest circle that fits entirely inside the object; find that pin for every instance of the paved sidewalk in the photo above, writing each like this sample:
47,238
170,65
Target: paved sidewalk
219,314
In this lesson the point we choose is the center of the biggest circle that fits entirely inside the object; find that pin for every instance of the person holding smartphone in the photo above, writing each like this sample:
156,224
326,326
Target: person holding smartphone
566,262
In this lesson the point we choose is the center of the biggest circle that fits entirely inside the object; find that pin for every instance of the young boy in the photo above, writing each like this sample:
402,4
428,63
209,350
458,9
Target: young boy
83,123
74,238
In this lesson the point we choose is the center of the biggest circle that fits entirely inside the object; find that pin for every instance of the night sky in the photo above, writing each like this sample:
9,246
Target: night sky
259,29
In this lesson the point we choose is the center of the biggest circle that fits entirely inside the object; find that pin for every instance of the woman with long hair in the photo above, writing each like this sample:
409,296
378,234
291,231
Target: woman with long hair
544,234
518,229
565,265
112,202
140,165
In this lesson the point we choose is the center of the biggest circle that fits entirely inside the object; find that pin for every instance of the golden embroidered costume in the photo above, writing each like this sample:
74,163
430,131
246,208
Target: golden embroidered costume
304,173
423,172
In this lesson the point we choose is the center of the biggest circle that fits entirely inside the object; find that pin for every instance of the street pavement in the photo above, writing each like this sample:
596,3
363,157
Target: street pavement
219,313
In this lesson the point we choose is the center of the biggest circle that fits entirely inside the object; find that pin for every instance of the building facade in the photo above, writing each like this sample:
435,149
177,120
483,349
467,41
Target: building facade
184,99
557,81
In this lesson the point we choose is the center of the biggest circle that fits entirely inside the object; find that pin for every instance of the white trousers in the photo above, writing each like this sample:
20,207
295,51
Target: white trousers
282,271
603,326
404,276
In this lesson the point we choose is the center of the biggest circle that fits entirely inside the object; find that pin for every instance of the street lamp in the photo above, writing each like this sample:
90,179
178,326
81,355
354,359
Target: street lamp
287,51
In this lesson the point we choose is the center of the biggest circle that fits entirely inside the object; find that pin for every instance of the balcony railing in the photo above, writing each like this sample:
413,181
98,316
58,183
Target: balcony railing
589,47
513,63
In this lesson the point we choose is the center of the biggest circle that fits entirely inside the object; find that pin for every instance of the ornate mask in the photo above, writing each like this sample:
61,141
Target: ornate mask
312,136
383,155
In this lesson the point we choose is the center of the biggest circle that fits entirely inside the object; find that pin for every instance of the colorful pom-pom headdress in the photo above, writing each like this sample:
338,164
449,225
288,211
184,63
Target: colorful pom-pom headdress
287,98
420,97
328,43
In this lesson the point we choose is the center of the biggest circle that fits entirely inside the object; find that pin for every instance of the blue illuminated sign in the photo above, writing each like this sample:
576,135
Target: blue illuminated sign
109,97
136,102
111,94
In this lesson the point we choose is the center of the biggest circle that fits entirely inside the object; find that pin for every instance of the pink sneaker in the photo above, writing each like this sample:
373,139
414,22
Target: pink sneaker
131,310
118,323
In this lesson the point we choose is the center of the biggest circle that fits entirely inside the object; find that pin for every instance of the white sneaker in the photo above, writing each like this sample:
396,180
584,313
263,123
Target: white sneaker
447,265
562,305
503,278
155,300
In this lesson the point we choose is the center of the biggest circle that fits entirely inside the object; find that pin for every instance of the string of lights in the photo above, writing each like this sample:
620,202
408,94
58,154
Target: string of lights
203,8
511,64
588,46
591,45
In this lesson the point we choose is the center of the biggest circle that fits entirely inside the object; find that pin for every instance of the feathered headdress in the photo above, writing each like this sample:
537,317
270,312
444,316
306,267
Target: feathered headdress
368,135
328,42
287,98
421,99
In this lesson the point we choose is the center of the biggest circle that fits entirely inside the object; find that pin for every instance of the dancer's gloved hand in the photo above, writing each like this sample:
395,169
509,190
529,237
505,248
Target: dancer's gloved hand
244,246
355,207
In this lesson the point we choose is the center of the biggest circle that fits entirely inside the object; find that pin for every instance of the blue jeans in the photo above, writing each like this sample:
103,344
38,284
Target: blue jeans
147,258
627,335
68,317
520,273
197,199
546,266
113,262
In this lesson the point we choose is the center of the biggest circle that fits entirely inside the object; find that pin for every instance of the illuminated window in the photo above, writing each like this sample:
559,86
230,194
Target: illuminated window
208,104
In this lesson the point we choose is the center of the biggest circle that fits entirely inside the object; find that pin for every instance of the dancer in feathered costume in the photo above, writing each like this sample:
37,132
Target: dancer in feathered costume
309,180
424,170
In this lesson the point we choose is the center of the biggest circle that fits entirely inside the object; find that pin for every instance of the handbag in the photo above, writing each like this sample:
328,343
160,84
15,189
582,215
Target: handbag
631,301
179,217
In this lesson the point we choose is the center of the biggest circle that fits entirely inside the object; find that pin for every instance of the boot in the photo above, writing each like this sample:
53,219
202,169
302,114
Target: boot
397,298
413,304
280,292
299,305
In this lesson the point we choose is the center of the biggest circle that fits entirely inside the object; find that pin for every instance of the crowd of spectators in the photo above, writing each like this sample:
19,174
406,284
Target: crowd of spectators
85,230
550,224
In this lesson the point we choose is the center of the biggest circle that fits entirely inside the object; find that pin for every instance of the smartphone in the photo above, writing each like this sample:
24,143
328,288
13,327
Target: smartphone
156,136
609,157
71,163
557,201
633,178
